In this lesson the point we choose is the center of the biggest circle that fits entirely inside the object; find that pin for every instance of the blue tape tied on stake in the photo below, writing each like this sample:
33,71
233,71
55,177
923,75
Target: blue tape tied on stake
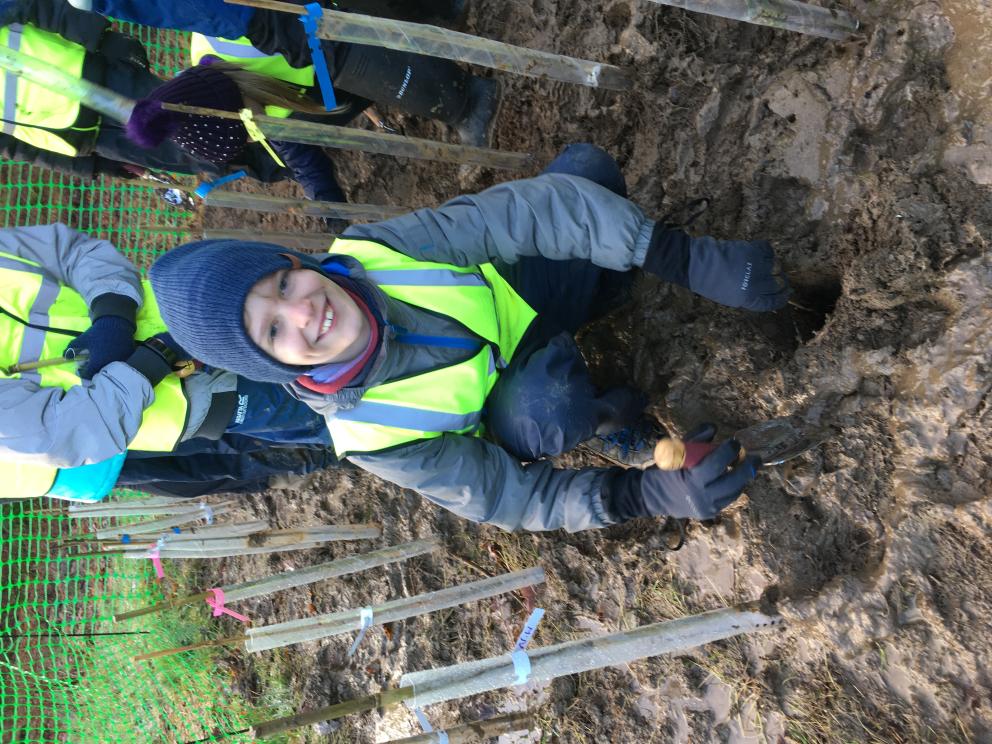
521,666
365,618
442,737
310,22
205,188
519,657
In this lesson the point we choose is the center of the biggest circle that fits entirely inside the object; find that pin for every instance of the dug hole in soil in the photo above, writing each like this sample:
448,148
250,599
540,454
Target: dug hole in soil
867,164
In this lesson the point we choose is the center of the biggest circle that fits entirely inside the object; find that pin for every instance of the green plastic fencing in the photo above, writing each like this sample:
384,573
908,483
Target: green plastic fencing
60,681
121,211
65,673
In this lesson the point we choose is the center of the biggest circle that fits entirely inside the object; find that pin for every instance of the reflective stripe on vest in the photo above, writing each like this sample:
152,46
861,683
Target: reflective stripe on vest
425,278
30,111
28,295
10,81
238,49
241,52
447,399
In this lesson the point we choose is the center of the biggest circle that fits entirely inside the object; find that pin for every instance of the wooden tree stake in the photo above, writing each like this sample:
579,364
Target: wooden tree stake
434,41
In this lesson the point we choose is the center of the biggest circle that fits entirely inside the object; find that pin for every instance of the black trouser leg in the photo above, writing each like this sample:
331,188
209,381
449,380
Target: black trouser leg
545,402
233,464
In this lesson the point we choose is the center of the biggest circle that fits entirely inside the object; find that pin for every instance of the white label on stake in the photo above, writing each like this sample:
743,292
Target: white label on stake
529,628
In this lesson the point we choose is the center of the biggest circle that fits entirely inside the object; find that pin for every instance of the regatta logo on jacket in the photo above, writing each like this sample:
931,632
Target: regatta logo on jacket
239,415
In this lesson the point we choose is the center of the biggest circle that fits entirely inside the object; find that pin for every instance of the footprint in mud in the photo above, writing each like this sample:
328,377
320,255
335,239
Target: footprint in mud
618,16
807,546
958,580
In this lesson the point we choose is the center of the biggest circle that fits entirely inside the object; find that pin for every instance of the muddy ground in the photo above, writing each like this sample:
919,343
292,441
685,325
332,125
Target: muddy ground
867,163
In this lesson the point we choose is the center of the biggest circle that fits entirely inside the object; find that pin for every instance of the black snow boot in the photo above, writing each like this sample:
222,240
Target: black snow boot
476,124
411,83
418,11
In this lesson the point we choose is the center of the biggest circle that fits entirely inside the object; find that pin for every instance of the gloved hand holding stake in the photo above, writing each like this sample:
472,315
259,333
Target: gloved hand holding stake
111,336
735,273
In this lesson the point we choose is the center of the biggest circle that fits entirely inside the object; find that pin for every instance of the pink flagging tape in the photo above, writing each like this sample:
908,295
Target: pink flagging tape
217,603
157,563
156,560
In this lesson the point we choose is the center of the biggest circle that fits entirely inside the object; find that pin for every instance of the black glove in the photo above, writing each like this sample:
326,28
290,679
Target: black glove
111,336
699,493
735,273
154,358
123,47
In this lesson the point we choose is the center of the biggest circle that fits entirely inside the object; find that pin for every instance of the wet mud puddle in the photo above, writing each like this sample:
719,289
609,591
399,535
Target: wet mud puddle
969,72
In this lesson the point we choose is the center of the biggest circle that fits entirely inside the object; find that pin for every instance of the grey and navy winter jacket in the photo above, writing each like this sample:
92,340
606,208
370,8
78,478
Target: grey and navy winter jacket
556,216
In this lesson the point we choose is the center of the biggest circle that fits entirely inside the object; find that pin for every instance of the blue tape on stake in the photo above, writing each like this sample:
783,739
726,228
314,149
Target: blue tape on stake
442,737
125,539
176,530
365,617
424,723
206,187
310,22
521,666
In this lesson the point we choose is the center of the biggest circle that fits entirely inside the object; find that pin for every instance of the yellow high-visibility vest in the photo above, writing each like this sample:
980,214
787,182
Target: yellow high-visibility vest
38,318
32,113
242,53
446,399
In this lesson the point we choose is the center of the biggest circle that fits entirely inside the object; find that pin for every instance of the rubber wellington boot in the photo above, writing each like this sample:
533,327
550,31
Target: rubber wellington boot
411,83
418,11
476,125
449,10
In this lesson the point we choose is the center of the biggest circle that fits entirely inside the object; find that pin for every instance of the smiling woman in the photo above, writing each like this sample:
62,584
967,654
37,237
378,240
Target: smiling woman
478,378
302,317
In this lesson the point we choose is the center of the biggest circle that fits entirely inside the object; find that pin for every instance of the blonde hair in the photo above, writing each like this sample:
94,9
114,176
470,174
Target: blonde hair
270,91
